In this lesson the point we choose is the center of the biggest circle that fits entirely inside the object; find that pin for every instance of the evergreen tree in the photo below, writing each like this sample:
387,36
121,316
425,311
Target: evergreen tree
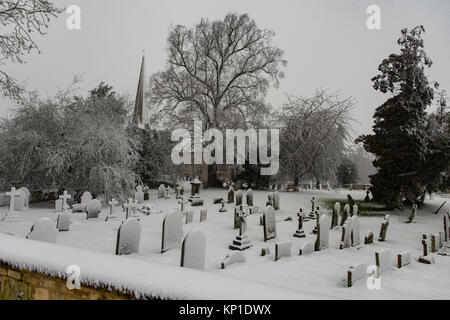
400,141
347,172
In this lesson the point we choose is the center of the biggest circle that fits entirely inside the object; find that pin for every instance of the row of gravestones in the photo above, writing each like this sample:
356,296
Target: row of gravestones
436,243
383,263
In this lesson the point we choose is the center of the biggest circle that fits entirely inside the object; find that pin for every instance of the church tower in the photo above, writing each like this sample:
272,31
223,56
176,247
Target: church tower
140,113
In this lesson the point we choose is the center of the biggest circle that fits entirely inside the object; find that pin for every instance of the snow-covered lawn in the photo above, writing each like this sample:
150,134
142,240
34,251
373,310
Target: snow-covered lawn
320,274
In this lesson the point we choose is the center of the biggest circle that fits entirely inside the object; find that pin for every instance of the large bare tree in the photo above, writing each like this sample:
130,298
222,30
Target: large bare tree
314,133
217,72
19,20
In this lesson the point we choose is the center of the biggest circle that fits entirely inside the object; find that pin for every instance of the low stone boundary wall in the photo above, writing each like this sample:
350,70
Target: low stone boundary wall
16,284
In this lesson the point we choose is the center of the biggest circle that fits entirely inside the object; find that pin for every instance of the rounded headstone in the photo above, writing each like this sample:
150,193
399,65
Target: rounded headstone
93,209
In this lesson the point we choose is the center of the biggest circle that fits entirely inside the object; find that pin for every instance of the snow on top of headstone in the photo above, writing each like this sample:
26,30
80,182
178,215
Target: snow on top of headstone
147,279
43,230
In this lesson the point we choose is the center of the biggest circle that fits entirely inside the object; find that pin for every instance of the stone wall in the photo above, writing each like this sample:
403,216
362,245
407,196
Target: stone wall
18,284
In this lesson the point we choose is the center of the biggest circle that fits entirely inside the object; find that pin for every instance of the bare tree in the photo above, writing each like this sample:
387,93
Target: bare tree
217,72
314,132
19,19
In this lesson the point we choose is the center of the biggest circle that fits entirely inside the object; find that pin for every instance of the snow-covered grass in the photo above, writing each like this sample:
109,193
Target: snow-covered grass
319,275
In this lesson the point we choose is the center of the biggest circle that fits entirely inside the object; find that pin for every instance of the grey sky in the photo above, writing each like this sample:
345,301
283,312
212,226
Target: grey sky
326,44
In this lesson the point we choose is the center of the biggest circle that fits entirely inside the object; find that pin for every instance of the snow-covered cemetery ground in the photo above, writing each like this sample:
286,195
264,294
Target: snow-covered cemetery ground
319,275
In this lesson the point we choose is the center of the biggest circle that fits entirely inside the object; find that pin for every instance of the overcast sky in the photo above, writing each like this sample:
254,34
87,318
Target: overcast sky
326,44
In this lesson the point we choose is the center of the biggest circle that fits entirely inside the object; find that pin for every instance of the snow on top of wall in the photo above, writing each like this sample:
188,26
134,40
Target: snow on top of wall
134,276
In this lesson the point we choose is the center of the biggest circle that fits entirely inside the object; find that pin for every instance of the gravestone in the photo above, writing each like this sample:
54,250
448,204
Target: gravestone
128,237
11,215
299,233
384,228
276,201
193,250
313,201
383,260
270,227
63,221
203,215
86,197
231,195
134,210
356,236
270,201
283,249
139,195
189,216
27,196
146,193
249,197
115,211
306,249
161,191
265,251
19,203
345,214
425,258
336,212
43,230
435,242
369,238
59,205
93,209
446,227
183,203
232,258
196,202
172,231
128,206
323,234
403,259
222,208
356,272
195,189
241,242
81,207
64,198
346,238
239,197
238,212
355,210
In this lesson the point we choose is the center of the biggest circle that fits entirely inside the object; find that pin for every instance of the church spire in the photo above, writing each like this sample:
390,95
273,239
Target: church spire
140,112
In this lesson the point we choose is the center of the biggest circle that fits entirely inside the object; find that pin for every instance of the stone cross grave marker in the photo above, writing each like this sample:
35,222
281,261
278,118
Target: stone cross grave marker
114,210
241,242
64,198
299,233
128,208
11,216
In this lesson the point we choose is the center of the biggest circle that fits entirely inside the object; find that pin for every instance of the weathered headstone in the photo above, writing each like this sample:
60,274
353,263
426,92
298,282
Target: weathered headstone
270,201
63,221
369,238
336,212
283,249
195,189
355,210
189,216
193,250
232,258
161,191
172,231
19,203
345,214
425,258
43,230
356,236
403,259
383,260
115,211
59,205
139,195
276,201
27,196
239,197
231,195
203,215
323,234
93,209
270,227
306,249
249,197
384,228
356,272
128,237
346,238
300,233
